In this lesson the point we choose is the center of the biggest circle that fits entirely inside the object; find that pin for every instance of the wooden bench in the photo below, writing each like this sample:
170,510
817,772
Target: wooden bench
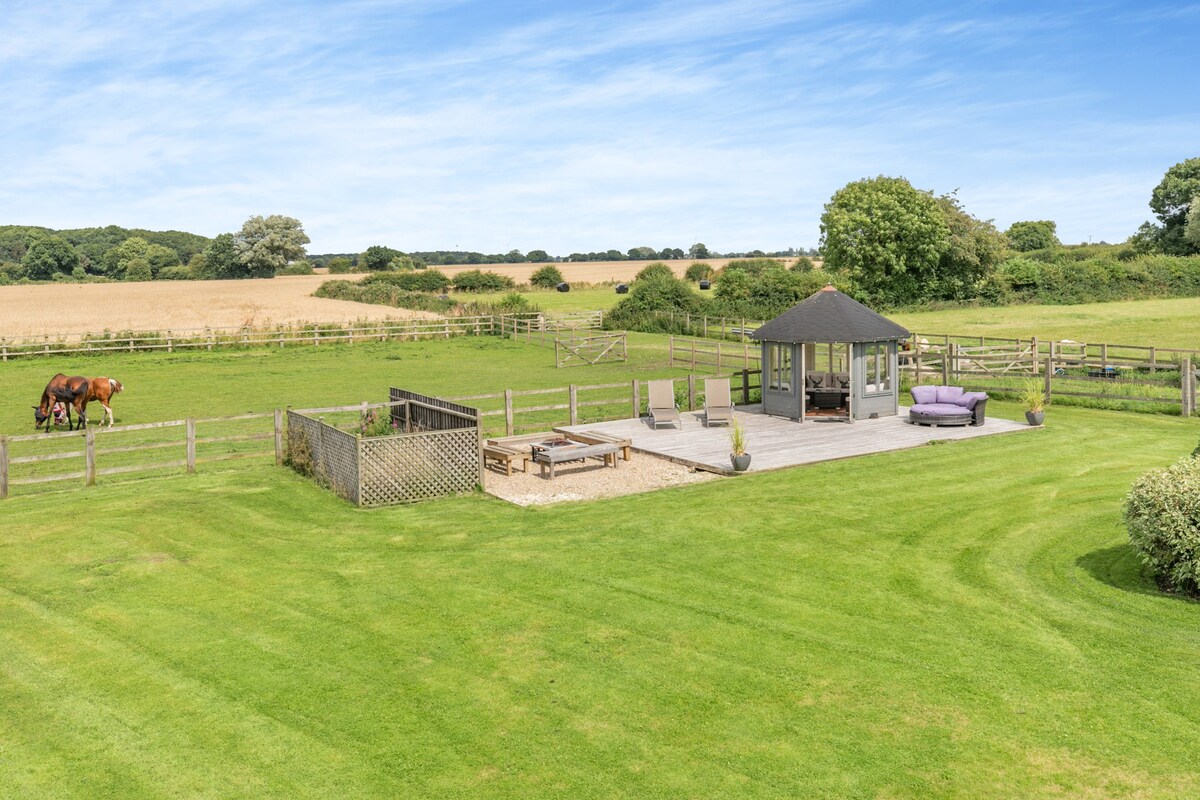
505,455
548,457
596,437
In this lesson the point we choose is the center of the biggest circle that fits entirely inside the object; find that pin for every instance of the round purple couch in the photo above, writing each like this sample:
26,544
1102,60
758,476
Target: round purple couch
946,405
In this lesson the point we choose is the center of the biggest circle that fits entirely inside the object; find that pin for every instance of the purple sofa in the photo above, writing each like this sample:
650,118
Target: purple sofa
946,405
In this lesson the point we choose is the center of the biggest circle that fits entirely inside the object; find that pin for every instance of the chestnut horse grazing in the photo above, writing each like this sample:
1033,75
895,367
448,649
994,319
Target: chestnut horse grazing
103,389
72,391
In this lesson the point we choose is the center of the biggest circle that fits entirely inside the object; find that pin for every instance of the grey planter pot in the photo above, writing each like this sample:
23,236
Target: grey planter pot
740,463
1035,417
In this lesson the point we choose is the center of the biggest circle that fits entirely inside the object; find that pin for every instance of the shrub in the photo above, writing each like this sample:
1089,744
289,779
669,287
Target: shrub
476,281
429,280
697,272
803,264
755,266
547,277
177,273
297,268
340,266
1162,513
138,269
655,270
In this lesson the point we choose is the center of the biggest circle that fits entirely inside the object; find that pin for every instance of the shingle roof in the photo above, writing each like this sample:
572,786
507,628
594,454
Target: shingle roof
830,316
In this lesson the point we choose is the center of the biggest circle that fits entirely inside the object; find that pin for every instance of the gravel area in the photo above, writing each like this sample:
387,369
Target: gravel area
588,480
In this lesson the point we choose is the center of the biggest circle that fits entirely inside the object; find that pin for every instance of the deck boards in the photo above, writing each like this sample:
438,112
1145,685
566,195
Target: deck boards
775,443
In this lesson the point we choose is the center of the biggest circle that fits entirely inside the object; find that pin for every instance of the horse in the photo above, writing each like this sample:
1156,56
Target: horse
103,389
72,391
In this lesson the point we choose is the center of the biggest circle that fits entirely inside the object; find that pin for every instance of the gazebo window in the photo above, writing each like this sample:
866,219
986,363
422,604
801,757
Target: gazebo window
779,367
876,368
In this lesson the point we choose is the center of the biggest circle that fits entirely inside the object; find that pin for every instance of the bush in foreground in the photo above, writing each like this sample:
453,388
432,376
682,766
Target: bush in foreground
475,281
1162,513
547,277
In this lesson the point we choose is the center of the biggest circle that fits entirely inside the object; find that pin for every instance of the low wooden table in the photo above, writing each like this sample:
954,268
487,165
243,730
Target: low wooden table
596,437
506,456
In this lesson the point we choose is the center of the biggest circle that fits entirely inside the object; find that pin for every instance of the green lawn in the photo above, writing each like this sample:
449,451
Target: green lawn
961,620
1162,323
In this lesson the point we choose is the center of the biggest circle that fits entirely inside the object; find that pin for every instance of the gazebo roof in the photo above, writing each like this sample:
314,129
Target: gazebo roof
830,316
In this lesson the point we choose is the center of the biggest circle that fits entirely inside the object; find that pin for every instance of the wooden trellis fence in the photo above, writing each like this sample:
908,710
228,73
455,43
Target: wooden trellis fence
437,454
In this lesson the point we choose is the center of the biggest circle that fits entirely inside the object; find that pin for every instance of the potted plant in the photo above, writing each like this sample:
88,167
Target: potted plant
737,443
1034,400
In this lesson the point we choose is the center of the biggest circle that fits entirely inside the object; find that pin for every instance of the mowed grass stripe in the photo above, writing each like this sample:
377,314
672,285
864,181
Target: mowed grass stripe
954,620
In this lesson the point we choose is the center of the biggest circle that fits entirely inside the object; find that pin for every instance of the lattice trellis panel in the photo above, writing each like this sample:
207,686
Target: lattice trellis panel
332,454
418,466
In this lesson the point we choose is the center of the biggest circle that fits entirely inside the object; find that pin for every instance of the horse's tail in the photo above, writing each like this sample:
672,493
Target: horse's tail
115,385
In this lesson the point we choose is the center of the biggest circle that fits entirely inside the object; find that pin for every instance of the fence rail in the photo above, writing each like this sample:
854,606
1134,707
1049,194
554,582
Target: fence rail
296,335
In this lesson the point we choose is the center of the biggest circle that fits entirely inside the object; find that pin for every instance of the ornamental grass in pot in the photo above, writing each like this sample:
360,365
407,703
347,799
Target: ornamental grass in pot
737,445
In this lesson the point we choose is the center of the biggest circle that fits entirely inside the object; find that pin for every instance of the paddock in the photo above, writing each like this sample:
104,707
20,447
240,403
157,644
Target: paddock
778,443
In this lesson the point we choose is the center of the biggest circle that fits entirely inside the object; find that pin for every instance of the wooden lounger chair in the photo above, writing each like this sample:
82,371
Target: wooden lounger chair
718,407
662,404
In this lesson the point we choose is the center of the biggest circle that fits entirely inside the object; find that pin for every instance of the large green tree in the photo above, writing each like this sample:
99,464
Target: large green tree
1171,201
220,259
48,255
378,258
973,249
1032,235
265,245
886,236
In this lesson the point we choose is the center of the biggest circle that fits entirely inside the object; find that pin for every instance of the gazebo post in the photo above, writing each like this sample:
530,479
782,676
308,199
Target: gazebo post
803,382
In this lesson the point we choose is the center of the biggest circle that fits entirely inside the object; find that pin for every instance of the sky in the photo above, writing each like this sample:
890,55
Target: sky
583,126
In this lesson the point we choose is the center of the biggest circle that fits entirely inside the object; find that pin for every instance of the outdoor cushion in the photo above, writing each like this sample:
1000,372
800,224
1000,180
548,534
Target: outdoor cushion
924,394
815,380
938,408
949,394
842,379
969,399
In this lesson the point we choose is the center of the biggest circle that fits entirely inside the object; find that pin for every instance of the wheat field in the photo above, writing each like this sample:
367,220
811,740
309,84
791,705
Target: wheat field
71,308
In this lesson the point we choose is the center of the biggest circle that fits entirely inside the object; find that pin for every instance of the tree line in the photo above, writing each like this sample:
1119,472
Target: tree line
263,247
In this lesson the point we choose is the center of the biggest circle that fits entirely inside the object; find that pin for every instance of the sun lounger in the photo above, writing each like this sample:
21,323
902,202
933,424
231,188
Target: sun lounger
718,407
662,404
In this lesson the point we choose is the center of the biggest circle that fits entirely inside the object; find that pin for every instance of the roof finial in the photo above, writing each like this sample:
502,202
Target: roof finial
829,287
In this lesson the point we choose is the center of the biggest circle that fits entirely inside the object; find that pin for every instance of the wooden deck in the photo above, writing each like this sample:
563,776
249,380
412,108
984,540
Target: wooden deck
775,443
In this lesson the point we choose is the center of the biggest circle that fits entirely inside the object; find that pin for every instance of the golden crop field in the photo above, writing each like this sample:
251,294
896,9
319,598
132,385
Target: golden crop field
70,308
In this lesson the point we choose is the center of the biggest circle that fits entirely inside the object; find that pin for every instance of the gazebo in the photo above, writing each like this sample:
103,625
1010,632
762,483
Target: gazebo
830,357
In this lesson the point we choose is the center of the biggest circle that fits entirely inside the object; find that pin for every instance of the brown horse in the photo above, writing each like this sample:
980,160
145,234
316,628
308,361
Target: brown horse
103,389
72,391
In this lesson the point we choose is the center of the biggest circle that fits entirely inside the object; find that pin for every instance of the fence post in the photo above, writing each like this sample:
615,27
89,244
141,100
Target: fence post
1033,353
191,445
745,387
1049,376
718,356
508,413
279,437
1104,357
705,326
1185,388
946,366
635,397
691,391
573,403
170,343
671,351
89,456
3,467
693,354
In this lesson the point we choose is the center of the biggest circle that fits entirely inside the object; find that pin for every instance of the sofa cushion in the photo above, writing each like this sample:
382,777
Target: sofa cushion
938,409
815,380
948,394
969,399
924,394
841,380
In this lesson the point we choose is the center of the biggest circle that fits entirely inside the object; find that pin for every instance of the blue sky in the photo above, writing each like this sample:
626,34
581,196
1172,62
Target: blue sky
584,126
